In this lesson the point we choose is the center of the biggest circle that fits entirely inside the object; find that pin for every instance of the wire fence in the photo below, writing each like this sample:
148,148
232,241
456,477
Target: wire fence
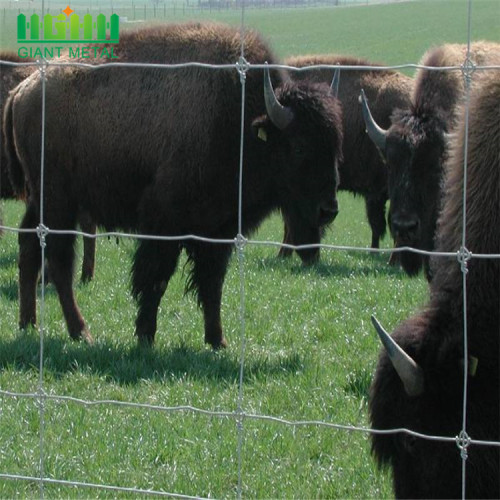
240,243
156,9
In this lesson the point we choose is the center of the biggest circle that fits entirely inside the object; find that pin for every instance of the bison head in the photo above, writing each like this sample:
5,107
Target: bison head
424,394
302,135
414,150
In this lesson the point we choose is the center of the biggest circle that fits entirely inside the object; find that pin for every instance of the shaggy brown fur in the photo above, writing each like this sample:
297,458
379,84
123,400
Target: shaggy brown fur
444,90
12,183
157,151
416,147
434,338
10,77
362,170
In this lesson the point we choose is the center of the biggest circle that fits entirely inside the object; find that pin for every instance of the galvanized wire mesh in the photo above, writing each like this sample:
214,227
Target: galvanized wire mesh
241,67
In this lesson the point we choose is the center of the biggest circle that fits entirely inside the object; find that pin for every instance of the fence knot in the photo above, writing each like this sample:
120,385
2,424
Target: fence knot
42,65
242,66
463,441
463,257
240,242
42,231
41,396
468,68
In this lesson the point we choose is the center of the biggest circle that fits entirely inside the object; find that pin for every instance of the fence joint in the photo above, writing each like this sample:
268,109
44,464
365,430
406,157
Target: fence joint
240,242
242,66
463,441
42,231
463,257
42,66
468,68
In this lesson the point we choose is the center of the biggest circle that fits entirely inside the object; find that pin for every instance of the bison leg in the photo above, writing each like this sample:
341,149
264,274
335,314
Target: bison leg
209,270
375,212
30,260
89,245
154,265
287,240
60,258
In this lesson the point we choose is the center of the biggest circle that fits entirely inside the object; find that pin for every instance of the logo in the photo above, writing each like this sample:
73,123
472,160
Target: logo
67,28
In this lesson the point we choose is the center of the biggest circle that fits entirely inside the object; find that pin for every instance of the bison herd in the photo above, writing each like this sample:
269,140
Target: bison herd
157,152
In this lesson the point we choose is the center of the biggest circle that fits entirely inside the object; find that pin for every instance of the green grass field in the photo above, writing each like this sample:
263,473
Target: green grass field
309,353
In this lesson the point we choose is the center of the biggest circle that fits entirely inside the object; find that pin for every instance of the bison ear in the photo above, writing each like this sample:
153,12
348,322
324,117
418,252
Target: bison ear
261,127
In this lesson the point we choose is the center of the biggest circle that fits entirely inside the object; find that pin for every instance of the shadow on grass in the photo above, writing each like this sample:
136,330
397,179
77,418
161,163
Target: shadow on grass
358,383
132,364
363,265
9,291
8,259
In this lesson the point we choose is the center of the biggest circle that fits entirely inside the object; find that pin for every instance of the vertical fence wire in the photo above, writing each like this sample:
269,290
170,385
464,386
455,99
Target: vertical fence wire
467,74
41,232
240,242
240,247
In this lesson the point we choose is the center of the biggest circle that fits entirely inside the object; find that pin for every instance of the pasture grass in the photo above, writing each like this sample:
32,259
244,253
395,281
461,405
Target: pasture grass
310,354
309,351
389,33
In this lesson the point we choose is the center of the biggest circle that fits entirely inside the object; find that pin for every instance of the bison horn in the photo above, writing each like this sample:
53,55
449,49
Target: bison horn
280,115
409,372
377,134
335,82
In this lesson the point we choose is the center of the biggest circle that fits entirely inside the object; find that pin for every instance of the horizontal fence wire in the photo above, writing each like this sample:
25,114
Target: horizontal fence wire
235,415
250,66
248,241
240,242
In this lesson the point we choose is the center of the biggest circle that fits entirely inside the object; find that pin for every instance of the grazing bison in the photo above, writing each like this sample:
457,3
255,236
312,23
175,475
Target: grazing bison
157,151
425,393
415,147
362,170
15,187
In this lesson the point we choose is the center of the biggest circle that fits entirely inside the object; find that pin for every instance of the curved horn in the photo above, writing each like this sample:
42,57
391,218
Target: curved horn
335,82
409,372
280,115
377,134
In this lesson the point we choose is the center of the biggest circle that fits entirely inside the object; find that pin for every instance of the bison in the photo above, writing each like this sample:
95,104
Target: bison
157,151
418,383
362,171
15,187
10,77
415,147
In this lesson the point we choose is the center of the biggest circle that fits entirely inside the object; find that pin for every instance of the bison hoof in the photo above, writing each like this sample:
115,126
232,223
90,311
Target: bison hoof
285,252
217,344
394,259
28,323
86,277
82,335
87,338
145,341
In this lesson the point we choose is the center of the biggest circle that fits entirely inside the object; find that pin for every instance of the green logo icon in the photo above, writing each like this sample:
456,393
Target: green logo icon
67,28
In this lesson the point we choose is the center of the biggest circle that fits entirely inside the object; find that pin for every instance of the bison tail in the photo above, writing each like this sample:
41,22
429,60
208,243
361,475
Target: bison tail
14,167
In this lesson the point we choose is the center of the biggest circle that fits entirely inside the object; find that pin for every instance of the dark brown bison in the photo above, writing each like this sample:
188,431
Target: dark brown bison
424,392
157,151
415,147
362,170
15,187
10,77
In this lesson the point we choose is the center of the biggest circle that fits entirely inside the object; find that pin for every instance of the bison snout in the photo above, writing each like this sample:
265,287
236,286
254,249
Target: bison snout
405,229
327,213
